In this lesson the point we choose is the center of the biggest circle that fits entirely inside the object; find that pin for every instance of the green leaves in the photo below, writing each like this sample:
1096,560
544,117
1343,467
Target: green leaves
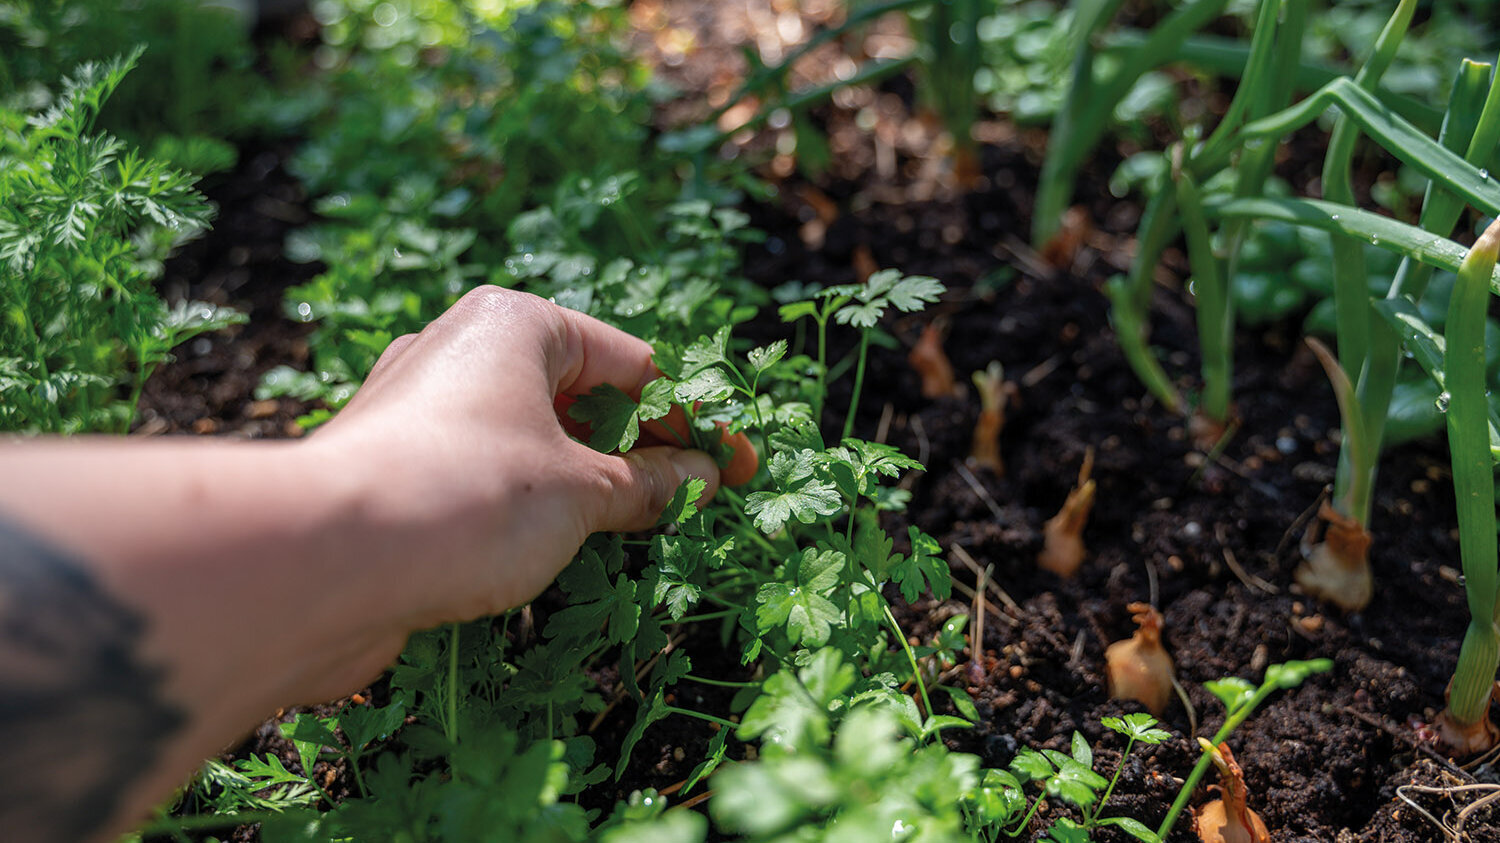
1232,691
800,495
1138,726
869,781
85,223
595,600
794,708
886,288
1288,675
923,568
803,607
1061,775
765,357
616,417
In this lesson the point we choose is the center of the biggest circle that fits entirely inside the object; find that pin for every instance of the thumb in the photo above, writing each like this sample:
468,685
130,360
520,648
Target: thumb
642,482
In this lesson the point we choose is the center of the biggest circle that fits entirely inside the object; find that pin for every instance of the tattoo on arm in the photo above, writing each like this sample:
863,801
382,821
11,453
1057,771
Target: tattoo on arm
79,711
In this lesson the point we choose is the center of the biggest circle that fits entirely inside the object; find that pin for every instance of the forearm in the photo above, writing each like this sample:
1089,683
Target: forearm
222,561
219,580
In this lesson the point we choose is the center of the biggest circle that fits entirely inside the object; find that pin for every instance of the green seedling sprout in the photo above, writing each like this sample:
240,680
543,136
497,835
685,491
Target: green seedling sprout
950,56
860,306
1091,100
1465,725
999,804
1180,206
1337,568
1240,700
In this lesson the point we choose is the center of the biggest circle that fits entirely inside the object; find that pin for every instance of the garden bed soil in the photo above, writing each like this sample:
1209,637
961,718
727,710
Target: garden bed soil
1209,540
1322,761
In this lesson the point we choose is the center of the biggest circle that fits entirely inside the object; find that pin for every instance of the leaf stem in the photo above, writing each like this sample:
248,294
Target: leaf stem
859,382
916,671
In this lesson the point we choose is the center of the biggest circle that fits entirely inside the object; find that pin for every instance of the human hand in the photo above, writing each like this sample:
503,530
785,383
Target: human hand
479,490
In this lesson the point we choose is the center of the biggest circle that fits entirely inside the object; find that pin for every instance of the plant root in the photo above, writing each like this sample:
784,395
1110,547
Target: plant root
1451,833
1337,569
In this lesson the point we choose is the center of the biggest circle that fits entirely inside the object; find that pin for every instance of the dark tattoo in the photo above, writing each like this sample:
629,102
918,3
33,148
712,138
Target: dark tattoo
79,712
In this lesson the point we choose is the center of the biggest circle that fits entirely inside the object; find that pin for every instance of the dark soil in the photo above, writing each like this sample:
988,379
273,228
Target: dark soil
1323,761
209,388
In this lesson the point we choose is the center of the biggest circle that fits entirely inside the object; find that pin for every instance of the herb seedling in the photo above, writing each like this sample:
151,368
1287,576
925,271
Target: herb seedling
1139,668
85,222
1240,700
999,803
861,307
1062,549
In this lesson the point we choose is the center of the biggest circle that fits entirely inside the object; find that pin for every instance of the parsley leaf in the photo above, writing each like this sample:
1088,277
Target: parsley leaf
924,563
616,417
800,496
886,288
804,608
766,356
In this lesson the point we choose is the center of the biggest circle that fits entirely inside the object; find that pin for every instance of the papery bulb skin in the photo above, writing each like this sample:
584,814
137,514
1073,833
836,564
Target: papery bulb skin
1062,536
1229,819
1337,569
1465,740
1139,668
994,396
931,363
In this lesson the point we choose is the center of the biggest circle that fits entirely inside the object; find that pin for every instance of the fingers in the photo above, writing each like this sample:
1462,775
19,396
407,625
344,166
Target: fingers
636,487
743,462
594,353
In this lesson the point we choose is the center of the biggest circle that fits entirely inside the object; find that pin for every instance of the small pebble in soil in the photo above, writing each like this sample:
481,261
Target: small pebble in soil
1192,530
262,409
1286,444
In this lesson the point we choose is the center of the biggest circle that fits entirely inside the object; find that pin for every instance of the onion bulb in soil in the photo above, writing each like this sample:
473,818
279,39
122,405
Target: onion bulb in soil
994,395
1228,819
931,363
1337,569
1138,667
1062,548
1466,740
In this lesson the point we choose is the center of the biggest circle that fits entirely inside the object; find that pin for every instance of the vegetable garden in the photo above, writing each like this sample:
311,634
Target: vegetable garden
1120,375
